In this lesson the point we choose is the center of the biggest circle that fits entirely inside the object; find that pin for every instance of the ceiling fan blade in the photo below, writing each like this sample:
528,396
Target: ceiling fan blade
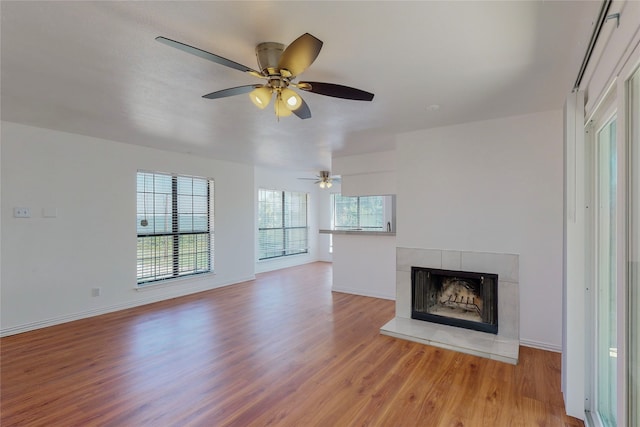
207,55
337,91
303,110
300,54
232,91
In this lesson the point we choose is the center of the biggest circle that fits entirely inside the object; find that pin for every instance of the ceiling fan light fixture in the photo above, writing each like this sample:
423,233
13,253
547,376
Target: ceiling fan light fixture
291,99
322,184
260,97
329,184
281,108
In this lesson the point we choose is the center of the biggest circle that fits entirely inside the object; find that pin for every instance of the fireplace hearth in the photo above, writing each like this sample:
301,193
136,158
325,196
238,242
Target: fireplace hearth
456,298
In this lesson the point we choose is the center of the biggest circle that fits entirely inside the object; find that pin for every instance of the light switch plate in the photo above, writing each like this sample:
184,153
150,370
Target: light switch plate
49,212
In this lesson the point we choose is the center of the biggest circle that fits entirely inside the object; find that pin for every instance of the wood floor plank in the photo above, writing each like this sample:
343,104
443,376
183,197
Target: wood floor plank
281,350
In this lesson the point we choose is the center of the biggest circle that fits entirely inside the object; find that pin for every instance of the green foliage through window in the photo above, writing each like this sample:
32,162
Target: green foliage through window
358,213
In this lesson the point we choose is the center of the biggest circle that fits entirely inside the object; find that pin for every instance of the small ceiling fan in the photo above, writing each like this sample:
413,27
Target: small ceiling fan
324,179
279,66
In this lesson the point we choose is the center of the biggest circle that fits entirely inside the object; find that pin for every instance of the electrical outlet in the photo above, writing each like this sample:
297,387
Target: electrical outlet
95,292
21,213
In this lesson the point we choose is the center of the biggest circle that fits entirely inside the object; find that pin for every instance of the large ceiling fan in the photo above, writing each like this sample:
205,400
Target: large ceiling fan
324,179
279,67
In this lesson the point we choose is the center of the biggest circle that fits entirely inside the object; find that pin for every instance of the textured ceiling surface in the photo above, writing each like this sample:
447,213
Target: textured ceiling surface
94,68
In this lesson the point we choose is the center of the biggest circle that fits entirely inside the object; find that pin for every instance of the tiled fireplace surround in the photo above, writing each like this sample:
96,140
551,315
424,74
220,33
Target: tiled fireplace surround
503,347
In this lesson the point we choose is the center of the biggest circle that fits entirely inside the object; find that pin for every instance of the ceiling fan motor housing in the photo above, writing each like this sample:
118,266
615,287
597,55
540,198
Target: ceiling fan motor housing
268,55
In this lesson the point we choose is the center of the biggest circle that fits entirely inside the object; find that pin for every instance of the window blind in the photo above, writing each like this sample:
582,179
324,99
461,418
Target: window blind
174,218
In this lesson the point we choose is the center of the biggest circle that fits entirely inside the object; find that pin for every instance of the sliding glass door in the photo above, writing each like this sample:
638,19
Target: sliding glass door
606,348
614,251
611,183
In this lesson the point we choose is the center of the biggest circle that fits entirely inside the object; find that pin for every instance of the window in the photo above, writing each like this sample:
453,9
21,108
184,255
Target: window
366,213
282,223
633,245
174,222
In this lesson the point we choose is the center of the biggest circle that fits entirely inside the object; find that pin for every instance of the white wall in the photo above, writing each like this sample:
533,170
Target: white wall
50,265
365,265
289,181
324,221
1,216
492,186
372,174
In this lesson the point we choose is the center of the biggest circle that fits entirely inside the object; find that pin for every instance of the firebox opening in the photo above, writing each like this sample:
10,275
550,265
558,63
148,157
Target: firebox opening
457,298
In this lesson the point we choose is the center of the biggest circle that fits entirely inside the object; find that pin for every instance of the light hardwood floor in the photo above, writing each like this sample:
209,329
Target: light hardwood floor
282,350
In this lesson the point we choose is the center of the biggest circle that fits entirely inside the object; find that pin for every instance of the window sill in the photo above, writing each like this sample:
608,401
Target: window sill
359,232
280,258
174,282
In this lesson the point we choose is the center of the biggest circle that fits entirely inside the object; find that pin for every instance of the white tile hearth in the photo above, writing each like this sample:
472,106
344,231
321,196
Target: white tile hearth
503,347
458,339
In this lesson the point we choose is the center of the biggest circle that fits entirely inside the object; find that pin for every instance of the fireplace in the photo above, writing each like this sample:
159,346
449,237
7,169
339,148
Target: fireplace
503,345
456,298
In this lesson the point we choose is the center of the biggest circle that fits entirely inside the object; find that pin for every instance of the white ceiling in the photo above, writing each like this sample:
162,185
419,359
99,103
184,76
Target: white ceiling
94,68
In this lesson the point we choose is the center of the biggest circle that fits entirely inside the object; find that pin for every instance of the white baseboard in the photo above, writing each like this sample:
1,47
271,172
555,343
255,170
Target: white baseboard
541,345
363,293
26,327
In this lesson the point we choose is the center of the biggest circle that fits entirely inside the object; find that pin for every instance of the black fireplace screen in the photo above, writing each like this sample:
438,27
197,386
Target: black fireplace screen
456,298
